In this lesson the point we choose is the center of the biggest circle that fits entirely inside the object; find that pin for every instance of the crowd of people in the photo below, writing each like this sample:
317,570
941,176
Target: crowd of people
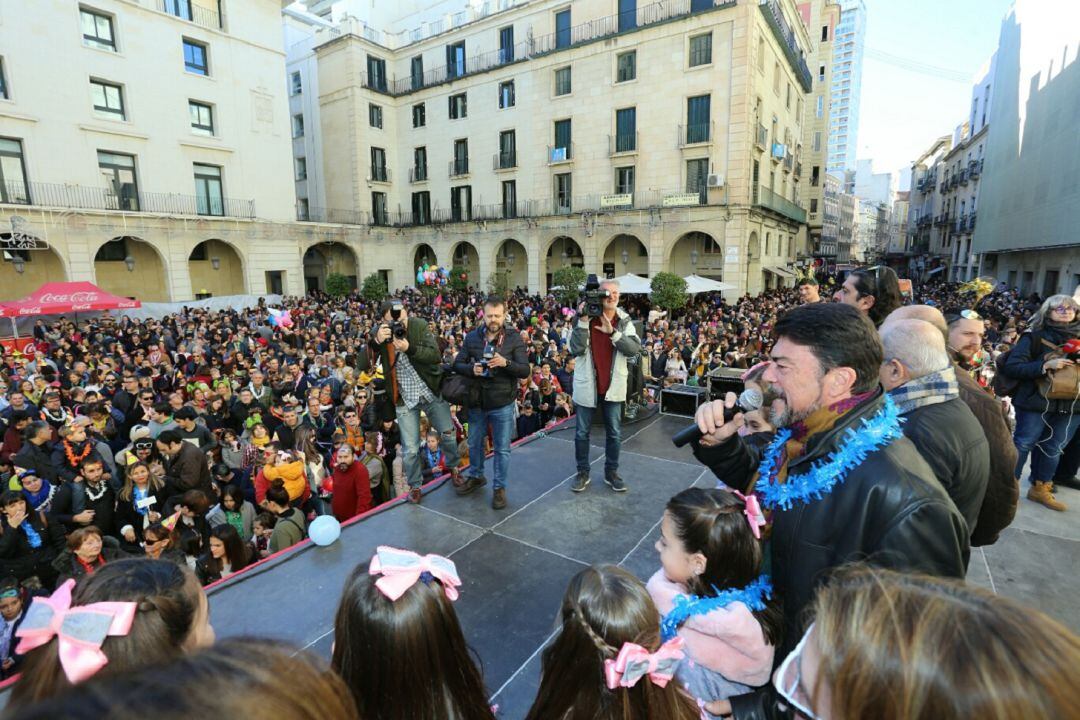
142,460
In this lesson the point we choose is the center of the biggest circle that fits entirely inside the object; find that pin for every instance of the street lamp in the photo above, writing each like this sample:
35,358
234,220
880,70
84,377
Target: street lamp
625,256
694,257
215,262
130,262
510,258
19,264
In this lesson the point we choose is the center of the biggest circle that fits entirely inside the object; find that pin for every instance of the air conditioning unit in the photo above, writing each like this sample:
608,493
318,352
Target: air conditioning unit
715,180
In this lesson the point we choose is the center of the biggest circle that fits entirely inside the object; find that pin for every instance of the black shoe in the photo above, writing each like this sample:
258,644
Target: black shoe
498,499
615,482
470,484
580,482
1073,482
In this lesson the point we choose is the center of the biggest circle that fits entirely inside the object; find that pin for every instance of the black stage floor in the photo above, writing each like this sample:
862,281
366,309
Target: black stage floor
514,564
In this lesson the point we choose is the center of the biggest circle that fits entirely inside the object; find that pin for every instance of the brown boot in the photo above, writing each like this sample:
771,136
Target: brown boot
498,499
1043,493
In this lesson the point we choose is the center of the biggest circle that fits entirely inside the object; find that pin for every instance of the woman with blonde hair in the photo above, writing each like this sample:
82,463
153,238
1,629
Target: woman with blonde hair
889,646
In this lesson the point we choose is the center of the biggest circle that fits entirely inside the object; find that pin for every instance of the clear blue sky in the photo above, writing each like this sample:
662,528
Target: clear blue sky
902,111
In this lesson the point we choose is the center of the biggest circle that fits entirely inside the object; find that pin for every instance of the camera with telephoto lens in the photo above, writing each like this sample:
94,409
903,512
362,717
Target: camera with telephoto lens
594,297
397,328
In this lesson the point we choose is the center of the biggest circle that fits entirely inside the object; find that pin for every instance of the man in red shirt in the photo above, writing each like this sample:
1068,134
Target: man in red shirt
604,344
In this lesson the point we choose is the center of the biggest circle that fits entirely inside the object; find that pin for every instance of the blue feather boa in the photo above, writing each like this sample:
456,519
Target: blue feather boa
752,596
825,474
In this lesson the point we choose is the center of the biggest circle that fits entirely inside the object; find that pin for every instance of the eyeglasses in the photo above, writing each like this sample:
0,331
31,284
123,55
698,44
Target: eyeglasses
788,680
1063,308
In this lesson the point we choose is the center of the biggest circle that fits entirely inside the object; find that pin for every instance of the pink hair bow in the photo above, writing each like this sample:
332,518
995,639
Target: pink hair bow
401,569
635,662
79,630
753,512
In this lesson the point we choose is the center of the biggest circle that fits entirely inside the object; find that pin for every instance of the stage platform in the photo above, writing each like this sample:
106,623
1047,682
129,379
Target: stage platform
515,563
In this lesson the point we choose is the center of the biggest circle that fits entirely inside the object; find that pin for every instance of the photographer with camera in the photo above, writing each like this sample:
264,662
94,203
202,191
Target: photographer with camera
604,339
495,360
410,360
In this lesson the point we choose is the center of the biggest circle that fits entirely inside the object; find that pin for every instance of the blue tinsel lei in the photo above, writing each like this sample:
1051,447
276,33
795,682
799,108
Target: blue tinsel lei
824,475
752,596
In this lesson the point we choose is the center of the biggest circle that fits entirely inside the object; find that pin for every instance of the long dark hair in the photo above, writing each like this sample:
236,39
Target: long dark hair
375,637
711,522
236,551
168,602
604,607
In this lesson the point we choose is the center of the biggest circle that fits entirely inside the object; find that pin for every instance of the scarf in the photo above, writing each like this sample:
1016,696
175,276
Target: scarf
32,535
937,387
260,442
42,499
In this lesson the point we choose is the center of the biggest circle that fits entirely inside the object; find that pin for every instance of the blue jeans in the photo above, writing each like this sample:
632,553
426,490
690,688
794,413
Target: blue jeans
612,430
1043,436
438,414
502,427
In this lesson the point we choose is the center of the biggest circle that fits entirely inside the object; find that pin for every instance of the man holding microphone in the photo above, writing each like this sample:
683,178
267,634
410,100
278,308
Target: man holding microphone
495,360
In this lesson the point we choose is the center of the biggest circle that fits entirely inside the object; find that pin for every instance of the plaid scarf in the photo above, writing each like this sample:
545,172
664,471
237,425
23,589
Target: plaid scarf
937,387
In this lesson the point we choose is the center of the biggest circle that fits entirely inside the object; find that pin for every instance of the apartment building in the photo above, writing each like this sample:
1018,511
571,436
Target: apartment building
928,246
961,172
821,18
144,146
846,86
510,139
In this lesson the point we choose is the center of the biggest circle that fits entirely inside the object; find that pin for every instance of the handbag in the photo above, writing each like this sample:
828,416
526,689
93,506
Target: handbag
1062,384
457,389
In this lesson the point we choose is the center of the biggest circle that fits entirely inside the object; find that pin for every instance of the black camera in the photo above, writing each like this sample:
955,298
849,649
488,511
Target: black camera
489,352
594,297
397,328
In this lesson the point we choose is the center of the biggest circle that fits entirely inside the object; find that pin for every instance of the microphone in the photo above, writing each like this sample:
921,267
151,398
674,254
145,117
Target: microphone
749,400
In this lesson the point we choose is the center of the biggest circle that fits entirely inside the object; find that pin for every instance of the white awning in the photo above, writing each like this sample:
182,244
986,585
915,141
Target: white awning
696,284
781,272
631,284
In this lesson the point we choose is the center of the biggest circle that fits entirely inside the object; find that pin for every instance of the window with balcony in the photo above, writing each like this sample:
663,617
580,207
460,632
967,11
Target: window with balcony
421,207
202,118
697,175
13,188
461,203
416,72
419,170
824,33
376,73
3,81
118,171
455,60
817,141
97,29
819,109
776,78
698,120
374,114
626,130
562,81
813,205
821,73
379,215
627,15
506,44
507,149
458,106
209,199
460,163
701,50
563,193
626,66
303,209
562,28
506,94
301,168
419,115
509,198
624,180
108,99
378,165
178,8
563,140
195,62
298,126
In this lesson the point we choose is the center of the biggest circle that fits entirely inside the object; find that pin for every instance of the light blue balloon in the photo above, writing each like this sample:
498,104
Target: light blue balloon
324,530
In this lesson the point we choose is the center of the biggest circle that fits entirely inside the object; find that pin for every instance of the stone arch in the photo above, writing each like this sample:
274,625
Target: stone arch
329,258
562,251
216,269
131,267
626,254
424,254
697,253
512,262
465,256
24,271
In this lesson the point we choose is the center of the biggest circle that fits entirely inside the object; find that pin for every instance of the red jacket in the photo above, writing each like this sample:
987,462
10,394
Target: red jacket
352,492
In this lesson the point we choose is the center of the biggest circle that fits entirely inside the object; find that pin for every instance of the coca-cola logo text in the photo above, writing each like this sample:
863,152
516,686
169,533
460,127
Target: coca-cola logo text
77,297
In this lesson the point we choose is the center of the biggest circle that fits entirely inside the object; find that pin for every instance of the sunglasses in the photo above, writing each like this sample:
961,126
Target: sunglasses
970,315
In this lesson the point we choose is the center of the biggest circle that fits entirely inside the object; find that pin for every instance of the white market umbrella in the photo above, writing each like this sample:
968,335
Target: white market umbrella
696,284
630,284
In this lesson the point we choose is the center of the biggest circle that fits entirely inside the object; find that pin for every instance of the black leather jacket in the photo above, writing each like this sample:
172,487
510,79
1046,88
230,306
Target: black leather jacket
889,511
497,389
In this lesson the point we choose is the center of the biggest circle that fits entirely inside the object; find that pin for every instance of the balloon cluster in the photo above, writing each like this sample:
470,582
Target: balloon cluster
280,318
432,275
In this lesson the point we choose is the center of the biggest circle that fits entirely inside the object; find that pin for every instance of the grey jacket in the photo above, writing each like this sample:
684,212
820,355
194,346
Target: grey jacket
627,344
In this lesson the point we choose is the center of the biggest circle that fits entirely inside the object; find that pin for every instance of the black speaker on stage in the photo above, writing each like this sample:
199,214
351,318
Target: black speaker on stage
682,400
721,381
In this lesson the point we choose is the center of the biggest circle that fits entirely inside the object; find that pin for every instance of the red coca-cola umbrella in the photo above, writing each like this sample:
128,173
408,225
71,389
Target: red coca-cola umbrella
59,298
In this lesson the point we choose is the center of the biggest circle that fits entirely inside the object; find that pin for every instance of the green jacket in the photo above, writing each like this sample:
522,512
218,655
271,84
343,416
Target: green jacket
423,353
